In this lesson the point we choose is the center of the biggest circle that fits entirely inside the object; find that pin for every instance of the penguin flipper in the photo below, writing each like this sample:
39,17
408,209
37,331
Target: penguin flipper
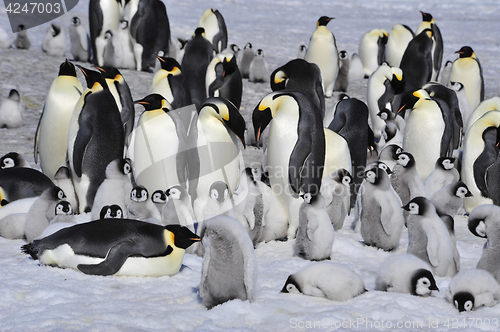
37,137
96,19
432,248
485,160
298,164
82,139
114,260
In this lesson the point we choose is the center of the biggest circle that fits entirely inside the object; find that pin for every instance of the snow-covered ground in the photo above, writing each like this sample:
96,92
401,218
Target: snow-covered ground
43,298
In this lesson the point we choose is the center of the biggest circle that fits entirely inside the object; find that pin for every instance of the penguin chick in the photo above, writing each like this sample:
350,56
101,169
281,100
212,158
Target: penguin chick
405,273
159,198
229,266
54,42
405,178
140,206
11,111
246,60
178,208
22,40
451,197
444,174
112,211
315,234
334,281
13,159
473,288
79,40
258,71
342,81
301,54
334,188
218,201
42,212
64,218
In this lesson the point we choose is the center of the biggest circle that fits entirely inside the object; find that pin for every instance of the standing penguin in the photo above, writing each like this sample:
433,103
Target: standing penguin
468,71
144,33
22,41
444,173
334,188
178,209
301,54
428,237
258,71
104,15
315,234
372,50
296,163
123,34
229,267
399,38
451,197
113,51
356,70
405,178
80,41
223,78
381,216
437,43
246,60
168,82
11,111
492,104
51,138
215,28
95,138
54,42
322,51
342,81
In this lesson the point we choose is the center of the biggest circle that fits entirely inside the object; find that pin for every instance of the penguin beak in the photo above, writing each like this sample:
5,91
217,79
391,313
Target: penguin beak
434,287
402,108
469,194
406,207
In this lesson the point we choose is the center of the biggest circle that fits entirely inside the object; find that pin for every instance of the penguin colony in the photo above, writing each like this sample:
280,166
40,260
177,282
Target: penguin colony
199,198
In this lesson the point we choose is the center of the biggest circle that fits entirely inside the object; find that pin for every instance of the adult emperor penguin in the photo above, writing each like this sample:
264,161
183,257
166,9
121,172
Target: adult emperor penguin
223,78
104,15
115,246
444,173
484,222
479,161
437,42
229,269
219,127
22,182
444,75
382,86
473,288
22,40
51,138
315,234
215,28
322,51
356,70
80,41
334,188
54,42
399,38
168,82
428,237
372,49
258,71
95,138
197,56
492,104
405,273
158,141
468,71
303,76
12,111
296,148
246,60
381,216
334,281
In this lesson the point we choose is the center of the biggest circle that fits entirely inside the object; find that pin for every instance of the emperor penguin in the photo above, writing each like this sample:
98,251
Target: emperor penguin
104,15
4,39
334,188
473,288
111,211
428,22
178,209
479,161
95,138
13,159
223,78
381,216
51,138
342,81
388,155
54,42
258,71
405,178
484,222
220,129
197,56
301,54
405,273
295,164
399,38
123,35
334,281
140,207
444,75
372,49
356,70
12,111
167,82
115,247
246,60
229,268
22,40
463,102
115,189
159,198
428,237
492,104
303,76
64,217
218,202
322,51
451,197
157,145
444,173
315,234
215,28
22,182
42,212
112,54
383,85
468,71
80,41
63,180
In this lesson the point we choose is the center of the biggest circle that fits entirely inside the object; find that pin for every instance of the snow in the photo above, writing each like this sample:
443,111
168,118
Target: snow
52,299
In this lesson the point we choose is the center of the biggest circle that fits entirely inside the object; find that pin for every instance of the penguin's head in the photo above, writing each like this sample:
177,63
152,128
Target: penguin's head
219,191
54,194
63,207
93,78
154,102
21,27
123,24
234,48
170,65
308,198
265,110
423,282
75,21
398,80
56,29
302,48
199,32
67,69
248,46
466,52
456,86
113,211
481,218
408,100
14,95
125,166
291,286
371,175
181,236
463,301
460,190
227,113
12,159
445,163
405,159
139,194
260,52
343,55
418,205
108,34
251,173
111,73
426,17
159,197
7,162
175,192
384,114
324,20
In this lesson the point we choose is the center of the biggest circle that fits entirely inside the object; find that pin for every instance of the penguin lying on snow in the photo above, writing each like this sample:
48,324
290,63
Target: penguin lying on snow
115,246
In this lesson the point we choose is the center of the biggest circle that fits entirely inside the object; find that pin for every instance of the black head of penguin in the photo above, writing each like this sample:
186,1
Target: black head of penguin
169,64
289,284
445,163
219,191
473,225
183,237
421,274
93,77
67,69
153,101
465,52
324,20
426,17
463,301
12,159
57,29
408,100
14,95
